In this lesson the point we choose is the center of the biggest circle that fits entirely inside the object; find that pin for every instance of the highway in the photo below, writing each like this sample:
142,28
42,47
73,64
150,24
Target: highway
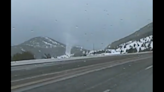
131,73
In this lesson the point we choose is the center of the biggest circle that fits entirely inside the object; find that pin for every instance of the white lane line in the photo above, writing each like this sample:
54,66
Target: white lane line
148,67
107,90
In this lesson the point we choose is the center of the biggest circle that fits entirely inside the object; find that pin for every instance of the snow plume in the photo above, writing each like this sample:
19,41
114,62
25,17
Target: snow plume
70,41
69,29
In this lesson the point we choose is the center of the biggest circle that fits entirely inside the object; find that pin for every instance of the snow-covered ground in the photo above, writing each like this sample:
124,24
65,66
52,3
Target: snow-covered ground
67,55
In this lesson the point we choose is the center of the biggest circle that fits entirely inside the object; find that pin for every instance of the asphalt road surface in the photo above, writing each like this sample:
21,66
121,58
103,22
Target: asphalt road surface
18,72
116,74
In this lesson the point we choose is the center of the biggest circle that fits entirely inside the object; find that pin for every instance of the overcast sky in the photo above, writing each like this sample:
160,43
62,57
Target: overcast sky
79,22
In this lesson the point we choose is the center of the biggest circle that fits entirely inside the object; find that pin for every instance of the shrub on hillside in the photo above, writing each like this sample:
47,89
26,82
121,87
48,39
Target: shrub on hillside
147,49
134,45
124,46
121,51
131,50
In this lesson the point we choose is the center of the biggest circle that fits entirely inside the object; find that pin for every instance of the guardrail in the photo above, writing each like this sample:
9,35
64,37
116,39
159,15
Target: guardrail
40,61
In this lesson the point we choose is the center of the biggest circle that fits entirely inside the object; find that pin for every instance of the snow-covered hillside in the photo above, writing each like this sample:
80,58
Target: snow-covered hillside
143,44
39,46
43,42
143,32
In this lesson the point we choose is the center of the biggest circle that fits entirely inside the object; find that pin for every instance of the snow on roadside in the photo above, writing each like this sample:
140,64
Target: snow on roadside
67,55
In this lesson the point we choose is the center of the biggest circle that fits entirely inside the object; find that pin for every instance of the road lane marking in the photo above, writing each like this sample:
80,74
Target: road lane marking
107,90
148,67
67,77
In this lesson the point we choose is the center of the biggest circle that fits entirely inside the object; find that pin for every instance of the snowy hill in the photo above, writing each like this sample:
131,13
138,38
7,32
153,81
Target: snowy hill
43,42
143,44
139,41
40,46
141,33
